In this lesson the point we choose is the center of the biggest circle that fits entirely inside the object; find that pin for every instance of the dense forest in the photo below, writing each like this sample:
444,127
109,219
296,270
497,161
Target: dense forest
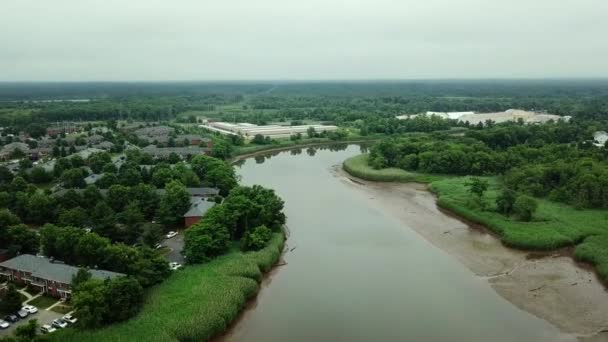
364,104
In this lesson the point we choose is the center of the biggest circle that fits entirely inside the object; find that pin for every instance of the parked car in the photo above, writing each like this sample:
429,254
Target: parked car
174,265
59,323
30,309
11,318
70,319
4,324
22,313
47,329
171,234
158,246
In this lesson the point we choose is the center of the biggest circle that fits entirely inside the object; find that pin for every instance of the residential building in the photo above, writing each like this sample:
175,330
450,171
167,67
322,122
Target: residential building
183,152
8,149
51,277
198,208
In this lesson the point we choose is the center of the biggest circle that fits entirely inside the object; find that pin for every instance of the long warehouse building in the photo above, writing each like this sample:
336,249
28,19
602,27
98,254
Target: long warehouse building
274,131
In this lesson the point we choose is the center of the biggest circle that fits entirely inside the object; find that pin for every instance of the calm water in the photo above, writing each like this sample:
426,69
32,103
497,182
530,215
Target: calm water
358,275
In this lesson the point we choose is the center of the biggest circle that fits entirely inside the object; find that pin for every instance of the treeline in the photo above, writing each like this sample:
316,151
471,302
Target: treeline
249,215
555,160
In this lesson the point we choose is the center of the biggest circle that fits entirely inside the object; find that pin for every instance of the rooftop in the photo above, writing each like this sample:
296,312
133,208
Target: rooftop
42,267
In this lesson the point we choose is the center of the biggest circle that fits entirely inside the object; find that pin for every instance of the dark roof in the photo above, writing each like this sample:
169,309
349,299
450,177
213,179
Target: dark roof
198,207
43,268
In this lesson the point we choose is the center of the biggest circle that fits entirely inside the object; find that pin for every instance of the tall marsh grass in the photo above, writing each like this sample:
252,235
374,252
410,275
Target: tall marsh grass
195,303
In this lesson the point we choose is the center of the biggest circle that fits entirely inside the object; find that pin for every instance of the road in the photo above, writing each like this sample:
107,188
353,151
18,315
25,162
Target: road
175,245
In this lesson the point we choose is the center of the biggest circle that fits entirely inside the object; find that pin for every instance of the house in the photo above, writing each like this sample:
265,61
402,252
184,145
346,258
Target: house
154,131
183,152
198,208
600,138
92,179
51,277
105,145
65,127
7,150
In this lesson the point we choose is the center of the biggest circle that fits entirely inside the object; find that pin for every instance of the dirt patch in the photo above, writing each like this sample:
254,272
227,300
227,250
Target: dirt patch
549,285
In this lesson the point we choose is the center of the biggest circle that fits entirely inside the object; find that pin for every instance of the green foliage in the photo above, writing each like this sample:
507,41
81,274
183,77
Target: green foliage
194,304
174,203
358,167
524,207
10,301
505,201
257,238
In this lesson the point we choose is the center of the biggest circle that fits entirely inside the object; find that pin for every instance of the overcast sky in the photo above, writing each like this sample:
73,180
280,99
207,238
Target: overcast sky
91,40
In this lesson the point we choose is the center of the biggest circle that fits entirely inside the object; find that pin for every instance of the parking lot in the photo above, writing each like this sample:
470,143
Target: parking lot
43,317
175,246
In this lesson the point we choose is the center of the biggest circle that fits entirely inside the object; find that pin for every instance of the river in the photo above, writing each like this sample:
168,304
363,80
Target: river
355,273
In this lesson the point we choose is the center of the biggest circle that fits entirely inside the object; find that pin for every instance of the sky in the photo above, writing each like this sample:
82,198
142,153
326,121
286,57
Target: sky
152,40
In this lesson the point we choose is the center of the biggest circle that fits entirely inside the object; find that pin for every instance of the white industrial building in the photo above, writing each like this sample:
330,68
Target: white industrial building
498,117
273,131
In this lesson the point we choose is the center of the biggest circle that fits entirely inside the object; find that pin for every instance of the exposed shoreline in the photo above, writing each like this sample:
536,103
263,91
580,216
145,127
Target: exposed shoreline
551,286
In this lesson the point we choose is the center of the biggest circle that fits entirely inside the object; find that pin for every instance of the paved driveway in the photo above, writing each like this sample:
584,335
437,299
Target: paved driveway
43,317
175,245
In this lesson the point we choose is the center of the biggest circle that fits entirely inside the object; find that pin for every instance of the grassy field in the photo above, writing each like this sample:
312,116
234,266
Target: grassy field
358,167
195,303
554,225
43,302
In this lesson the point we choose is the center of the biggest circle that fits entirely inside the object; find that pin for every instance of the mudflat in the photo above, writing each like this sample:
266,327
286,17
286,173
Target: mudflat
550,286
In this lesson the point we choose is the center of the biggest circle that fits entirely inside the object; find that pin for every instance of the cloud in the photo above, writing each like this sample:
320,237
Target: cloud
304,39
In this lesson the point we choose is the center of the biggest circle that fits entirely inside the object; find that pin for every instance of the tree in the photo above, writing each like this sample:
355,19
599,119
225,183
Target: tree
477,186
204,241
257,238
74,178
258,139
77,161
174,203
97,161
311,132
90,301
103,219
27,332
75,217
506,201
38,175
23,240
161,176
118,197
124,296
11,300
221,149
82,276
40,208
151,234
525,207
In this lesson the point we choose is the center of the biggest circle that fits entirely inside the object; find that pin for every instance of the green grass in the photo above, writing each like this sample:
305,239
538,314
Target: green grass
358,167
194,304
555,225
43,302
62,309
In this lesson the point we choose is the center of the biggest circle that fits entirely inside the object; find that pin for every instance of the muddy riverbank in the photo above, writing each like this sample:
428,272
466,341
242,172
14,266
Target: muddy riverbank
552,287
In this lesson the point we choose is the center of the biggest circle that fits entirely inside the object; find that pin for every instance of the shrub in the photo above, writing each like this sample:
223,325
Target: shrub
257,238
506,201
524,207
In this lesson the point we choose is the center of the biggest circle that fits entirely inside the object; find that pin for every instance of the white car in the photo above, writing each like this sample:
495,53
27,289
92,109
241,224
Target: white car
59,323
171,234
70,319
47,329
174,265
158,246
30,309
4,324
